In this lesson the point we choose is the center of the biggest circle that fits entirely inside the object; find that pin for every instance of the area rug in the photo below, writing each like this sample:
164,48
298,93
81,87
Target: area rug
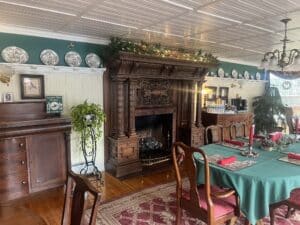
157,206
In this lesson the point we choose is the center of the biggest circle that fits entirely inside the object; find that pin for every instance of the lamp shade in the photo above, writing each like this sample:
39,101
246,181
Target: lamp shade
264,63
273,61
297,60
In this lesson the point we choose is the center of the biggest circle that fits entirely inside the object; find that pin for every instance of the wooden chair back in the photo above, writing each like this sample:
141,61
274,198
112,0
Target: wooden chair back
214,134
185,164
238,130
78,193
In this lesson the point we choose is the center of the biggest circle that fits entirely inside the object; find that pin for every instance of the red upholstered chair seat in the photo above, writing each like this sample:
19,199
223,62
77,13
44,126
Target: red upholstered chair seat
293,203
222,207
295,196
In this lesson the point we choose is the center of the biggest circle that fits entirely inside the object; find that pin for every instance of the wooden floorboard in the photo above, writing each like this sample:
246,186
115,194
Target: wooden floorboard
49,204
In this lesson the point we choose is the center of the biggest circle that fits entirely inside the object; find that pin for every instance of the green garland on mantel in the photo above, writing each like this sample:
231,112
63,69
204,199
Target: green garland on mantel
155,49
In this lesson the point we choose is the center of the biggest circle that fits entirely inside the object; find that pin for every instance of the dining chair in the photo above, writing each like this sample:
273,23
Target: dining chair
214,134
238,130
211,204
297,126
79,195
293,203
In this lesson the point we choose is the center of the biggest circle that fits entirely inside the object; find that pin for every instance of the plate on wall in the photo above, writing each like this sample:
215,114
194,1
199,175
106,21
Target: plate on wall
221,72
257,76
92,60
49,57
13,54
234,73
73,59
246,75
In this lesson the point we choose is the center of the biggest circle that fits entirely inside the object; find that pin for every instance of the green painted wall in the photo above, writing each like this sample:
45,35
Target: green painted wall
34,46
240,68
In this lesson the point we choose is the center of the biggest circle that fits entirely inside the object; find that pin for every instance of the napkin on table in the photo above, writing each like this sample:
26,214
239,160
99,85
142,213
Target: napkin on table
259,136
233,142
292,155
227,160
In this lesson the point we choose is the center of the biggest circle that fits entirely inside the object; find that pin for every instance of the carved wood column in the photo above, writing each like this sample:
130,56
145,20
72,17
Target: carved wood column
132,103
199,104
184,104
120,107
192,92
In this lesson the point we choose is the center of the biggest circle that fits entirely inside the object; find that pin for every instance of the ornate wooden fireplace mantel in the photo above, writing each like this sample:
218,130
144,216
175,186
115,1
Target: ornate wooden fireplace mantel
139,85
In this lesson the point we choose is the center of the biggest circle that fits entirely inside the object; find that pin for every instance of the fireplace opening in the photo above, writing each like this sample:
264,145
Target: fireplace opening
155,138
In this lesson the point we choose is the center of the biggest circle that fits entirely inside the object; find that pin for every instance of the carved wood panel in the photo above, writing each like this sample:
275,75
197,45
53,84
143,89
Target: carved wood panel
154,92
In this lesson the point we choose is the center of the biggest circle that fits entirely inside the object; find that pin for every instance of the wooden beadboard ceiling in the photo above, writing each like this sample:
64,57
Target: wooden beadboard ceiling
231,29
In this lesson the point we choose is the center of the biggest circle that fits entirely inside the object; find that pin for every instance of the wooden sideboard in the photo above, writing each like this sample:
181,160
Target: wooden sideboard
226,120
34,149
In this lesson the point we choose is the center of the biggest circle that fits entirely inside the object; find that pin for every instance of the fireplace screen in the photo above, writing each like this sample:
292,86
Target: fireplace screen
155,138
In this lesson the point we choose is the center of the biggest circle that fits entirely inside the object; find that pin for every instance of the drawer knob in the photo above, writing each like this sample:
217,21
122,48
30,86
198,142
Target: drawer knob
22,162
24,182
21,144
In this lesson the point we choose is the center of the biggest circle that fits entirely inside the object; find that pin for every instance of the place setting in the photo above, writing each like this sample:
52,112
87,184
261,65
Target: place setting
228,162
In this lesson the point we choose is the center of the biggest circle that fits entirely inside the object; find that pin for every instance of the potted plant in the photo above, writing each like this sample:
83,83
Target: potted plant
87,120
265,108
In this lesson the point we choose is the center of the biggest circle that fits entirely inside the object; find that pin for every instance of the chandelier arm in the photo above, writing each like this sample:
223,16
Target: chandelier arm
292,55
276,51
267,54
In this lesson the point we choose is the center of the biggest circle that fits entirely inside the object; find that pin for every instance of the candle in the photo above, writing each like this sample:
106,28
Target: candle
251,134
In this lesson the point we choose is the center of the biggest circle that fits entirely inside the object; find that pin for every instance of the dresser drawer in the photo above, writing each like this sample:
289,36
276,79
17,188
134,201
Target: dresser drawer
12,156
13,186
12,145
17,165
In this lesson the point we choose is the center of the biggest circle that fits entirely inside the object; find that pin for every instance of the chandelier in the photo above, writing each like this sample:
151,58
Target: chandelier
281,59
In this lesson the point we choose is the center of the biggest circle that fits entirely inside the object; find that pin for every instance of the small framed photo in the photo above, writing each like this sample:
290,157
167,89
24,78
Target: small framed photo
54,104
211,93
8,97
32,86
223,92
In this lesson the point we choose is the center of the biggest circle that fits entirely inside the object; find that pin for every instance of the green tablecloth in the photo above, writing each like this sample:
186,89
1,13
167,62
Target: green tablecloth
268,181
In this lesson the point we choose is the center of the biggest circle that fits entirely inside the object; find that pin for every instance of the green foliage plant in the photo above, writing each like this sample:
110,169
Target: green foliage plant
265,107
82,125
155,49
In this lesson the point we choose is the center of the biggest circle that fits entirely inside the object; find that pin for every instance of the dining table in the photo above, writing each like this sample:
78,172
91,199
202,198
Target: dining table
266,180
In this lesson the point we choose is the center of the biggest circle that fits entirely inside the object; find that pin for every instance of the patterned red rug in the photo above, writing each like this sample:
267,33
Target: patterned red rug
157,206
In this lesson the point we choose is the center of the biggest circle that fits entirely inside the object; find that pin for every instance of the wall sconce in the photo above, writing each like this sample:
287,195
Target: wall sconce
6,72
238,84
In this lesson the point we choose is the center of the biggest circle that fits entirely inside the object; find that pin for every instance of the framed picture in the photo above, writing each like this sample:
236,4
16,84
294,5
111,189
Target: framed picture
223,92
32,86
8,97
211,93
54,104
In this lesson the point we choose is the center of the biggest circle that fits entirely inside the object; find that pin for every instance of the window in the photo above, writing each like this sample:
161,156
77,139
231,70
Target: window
288,89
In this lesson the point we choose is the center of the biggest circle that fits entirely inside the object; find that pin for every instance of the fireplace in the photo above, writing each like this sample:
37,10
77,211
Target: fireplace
150,102
154,134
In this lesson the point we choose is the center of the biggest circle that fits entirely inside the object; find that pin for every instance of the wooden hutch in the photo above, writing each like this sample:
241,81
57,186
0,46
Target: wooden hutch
226,120
34,149
137,86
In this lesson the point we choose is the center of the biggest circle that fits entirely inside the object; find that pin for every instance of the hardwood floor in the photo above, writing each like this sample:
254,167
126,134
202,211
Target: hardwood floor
49,204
